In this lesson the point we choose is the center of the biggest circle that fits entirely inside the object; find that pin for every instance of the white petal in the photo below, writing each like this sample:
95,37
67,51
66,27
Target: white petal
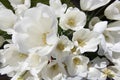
58,7
116,47
113,11
7,19
93,21
94,74
114,26
100,26
92,4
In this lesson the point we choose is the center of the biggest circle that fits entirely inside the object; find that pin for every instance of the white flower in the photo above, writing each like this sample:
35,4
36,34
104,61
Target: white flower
19,65
58,7
113,11
2,40
76,65
7,19
10,59
86,40
35,61
64,44
37,31
34,64
111,72
92,4
108,33
73,19
62,48
53,70
102,74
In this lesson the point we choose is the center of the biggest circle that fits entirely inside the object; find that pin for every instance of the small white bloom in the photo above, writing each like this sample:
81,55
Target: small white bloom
92,4
58,7
62,48
53,70
7,19
86,40
64,44
113,11
76,65
10,63
73,19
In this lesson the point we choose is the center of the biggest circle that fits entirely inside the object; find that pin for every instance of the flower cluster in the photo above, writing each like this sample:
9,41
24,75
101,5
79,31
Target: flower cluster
57,42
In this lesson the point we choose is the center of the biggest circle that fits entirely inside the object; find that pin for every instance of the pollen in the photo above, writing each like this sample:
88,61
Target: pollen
108,73
73,49
23,55
71,22
76,61
81,42
54,67
60,46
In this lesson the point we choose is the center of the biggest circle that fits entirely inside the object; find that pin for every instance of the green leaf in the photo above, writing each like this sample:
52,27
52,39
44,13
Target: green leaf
6,3
68,2
5,35
34,2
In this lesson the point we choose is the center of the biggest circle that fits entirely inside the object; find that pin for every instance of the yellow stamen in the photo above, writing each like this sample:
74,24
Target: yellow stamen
81,42
71,22
23,55
60,46
76,61
73,49
54,67
108,73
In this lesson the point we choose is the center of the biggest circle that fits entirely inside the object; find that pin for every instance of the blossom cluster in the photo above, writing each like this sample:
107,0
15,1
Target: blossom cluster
57,42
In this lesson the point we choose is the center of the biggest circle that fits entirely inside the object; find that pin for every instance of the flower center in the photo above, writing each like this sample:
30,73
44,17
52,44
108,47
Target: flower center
73,49
76,61
108,73
71,22
60,46
21,77
81,42
54,67
23,55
